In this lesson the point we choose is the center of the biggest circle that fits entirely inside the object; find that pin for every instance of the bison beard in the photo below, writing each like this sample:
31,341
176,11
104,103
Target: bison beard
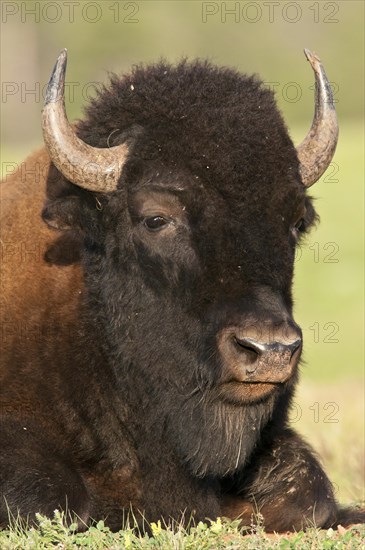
166,354
216,438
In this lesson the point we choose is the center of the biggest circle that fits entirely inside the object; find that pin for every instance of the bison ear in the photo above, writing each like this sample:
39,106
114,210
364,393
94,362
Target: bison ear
68,207
72,212
66,250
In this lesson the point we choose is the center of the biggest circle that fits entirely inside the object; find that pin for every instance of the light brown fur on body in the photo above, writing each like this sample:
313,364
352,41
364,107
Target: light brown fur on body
40,309
27,279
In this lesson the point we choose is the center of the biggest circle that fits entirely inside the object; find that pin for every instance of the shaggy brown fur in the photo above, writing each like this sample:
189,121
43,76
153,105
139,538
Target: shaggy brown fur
116,383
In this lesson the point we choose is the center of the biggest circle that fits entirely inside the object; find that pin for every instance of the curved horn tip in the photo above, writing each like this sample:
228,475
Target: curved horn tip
57,79
311,57
317,149
62,57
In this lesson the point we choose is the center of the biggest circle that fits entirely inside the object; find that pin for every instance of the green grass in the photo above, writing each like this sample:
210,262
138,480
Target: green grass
219,534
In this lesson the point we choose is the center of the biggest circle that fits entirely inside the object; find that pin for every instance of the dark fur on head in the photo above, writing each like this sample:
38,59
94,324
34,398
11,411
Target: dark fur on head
217,137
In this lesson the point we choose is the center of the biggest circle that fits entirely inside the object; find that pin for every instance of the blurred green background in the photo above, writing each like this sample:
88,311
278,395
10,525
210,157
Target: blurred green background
266,38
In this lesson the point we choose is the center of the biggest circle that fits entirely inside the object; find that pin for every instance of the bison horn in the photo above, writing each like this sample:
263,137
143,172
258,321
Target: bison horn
88,167
317,149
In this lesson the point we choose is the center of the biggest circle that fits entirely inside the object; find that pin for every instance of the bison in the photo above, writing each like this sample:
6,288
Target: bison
150,354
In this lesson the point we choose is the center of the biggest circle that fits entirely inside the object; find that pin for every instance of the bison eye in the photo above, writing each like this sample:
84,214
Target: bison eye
298,228
155,223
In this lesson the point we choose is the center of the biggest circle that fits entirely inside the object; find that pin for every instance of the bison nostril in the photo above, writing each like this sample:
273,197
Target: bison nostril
260,348
294,346
251,345
244,344
249,350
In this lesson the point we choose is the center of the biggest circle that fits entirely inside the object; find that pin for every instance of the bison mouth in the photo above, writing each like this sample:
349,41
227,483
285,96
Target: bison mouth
237,392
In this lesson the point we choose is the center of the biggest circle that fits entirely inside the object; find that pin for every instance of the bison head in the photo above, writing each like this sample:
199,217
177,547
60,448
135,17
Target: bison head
191,199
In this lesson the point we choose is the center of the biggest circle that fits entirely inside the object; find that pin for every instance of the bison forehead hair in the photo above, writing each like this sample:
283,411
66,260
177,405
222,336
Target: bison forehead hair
215,122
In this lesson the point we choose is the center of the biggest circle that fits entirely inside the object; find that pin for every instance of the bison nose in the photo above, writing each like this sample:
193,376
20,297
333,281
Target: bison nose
271,358
258,351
